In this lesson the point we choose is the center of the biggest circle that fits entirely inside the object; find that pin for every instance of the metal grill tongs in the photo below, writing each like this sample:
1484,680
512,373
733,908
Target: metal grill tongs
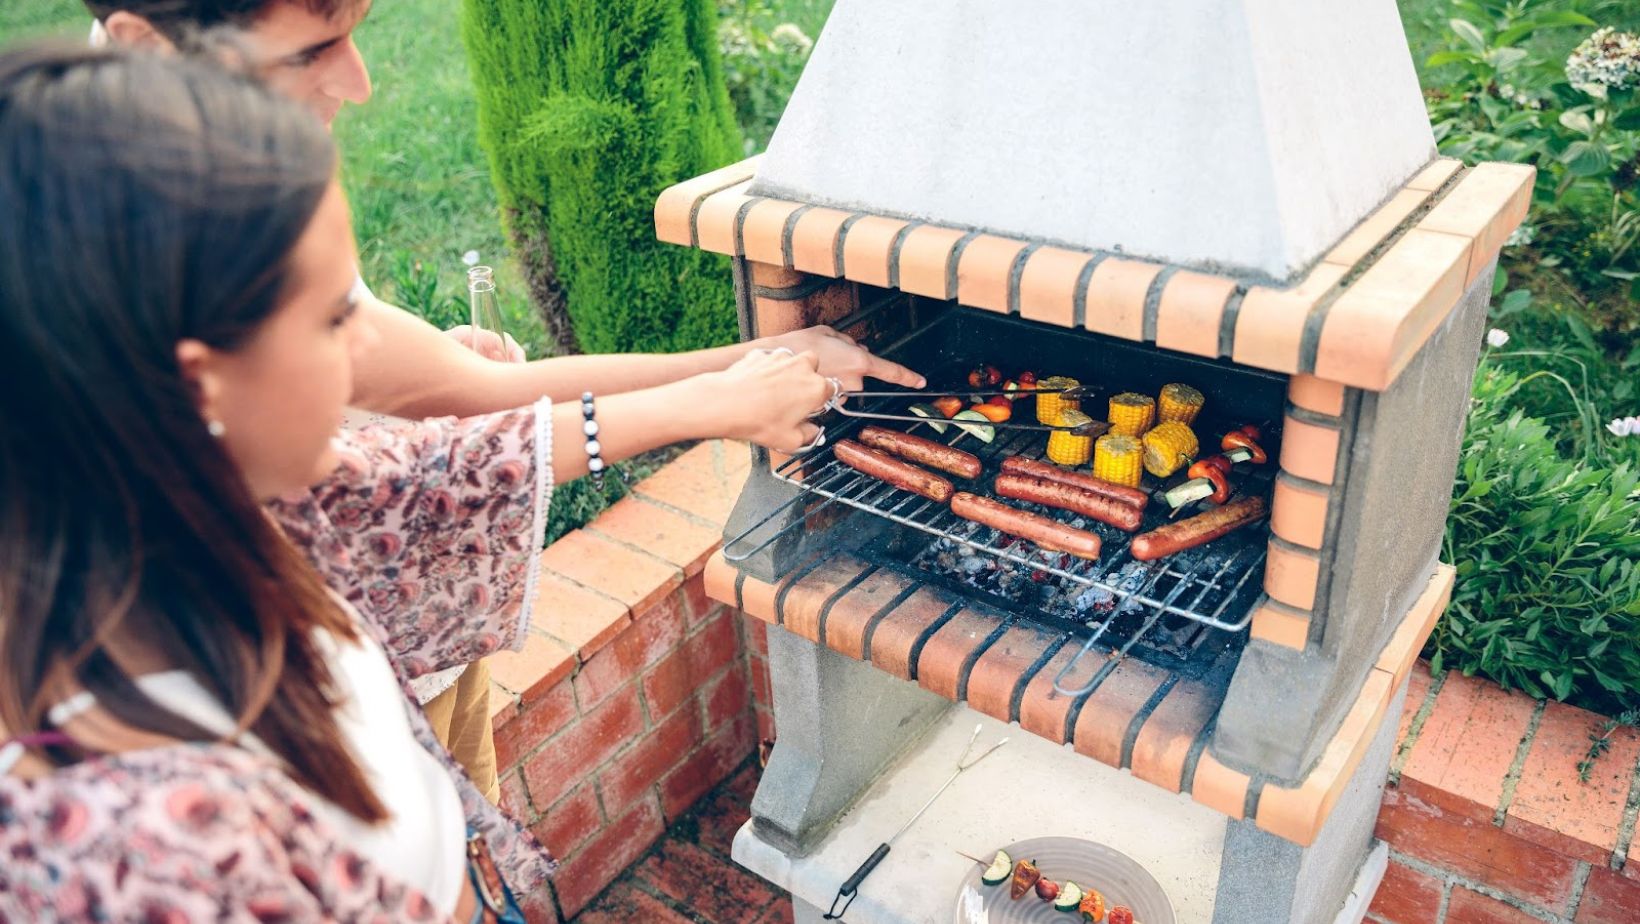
851,887
1092,428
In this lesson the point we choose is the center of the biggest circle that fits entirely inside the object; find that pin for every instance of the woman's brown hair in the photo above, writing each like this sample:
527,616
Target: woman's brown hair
146,201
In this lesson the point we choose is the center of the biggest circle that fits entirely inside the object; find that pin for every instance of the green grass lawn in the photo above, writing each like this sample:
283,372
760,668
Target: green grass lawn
29,19
418,182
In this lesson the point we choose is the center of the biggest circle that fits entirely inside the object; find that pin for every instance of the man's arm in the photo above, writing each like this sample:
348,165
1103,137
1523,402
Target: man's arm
418,372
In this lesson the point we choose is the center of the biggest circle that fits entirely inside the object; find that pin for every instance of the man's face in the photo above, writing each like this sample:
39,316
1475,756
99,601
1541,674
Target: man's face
310,58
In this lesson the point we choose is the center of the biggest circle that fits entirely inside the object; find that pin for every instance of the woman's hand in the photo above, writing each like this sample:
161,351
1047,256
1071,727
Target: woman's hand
487,343
767,397
841,358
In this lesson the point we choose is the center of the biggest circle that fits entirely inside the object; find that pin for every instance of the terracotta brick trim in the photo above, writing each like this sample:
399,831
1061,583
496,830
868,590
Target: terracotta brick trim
1138,717
1354,319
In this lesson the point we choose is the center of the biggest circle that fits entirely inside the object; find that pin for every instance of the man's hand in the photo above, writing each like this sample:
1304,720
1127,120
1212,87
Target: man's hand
841,358
501,348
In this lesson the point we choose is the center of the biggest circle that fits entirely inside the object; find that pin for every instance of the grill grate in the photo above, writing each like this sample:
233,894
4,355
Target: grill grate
1212,585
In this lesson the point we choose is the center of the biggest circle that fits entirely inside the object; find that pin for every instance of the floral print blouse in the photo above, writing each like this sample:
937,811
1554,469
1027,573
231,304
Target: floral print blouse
432,532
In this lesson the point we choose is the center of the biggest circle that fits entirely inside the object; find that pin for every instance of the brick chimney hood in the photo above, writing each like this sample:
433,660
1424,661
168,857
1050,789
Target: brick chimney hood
1239,138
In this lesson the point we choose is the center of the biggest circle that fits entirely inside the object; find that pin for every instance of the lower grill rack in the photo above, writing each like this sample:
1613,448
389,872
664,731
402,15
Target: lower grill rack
1213,585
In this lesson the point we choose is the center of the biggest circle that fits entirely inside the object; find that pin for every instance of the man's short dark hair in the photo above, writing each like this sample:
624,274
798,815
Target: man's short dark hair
176,17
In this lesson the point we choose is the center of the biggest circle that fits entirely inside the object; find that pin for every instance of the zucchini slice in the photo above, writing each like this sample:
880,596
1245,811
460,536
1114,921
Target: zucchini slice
999,871
975,424
1193,490
1070,895
936,420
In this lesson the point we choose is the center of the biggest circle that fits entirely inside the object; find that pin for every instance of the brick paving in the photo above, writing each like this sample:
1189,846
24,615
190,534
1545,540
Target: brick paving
687,877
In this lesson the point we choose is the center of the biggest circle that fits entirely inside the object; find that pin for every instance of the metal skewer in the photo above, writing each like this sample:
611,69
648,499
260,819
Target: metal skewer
851,885
1092,428
1074,391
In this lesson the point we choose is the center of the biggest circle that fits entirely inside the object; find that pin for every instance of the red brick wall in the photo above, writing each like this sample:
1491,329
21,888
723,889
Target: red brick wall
632,696
1487,819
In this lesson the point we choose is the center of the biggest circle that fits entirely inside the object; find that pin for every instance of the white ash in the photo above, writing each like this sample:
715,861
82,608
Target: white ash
1030,585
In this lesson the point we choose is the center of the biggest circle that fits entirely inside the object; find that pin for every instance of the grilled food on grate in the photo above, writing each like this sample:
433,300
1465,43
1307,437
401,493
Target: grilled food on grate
924,451
1069,497
1198,530
1048,533
1119,459
1179,402
1169,447
1022,465
900,474
1131,414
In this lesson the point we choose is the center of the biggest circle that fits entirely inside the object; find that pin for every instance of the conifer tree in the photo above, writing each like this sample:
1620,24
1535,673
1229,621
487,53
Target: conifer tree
587,110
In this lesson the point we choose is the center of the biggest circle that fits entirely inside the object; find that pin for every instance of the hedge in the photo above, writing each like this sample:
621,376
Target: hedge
587,110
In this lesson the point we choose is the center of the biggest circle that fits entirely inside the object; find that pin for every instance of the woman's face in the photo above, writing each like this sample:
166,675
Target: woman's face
281,395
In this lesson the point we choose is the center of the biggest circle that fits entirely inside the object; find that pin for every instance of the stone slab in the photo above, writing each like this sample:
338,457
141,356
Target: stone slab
1177,840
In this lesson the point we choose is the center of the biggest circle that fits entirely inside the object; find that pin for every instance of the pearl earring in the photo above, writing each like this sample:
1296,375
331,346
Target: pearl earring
216,428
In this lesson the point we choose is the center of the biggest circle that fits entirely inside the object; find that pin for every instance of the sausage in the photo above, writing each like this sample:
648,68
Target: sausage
1198,530
916,449
901,475
1020,465
1070,497
1049,534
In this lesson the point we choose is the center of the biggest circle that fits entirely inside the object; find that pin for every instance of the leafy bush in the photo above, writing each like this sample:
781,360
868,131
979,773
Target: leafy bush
763,55
587,110
1548,555
1569,380
1529,83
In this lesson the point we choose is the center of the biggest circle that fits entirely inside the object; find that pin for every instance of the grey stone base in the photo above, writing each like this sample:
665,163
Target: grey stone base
841,723
1267,878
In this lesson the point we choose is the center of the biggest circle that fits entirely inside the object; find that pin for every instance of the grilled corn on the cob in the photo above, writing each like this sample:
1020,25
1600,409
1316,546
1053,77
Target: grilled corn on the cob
1049,404
1131,413
1117,458
1169,447
1179,402
1067,448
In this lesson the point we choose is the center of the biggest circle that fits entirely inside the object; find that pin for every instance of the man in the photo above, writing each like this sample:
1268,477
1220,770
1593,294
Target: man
305,50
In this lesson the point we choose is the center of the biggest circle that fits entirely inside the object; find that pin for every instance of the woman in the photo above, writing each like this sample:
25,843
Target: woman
193,726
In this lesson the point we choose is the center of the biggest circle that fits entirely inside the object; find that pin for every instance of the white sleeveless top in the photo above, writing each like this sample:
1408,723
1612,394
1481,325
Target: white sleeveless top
423,842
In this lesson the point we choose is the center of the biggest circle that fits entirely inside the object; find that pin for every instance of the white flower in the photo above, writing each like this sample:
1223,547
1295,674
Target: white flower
470,258
789,35
1625,426
1524,233
1497,338
1607,60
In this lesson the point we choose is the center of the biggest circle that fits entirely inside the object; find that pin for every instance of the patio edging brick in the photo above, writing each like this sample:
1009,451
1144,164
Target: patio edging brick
1496,817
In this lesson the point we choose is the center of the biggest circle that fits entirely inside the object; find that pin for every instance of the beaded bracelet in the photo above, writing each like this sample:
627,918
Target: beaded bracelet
589,426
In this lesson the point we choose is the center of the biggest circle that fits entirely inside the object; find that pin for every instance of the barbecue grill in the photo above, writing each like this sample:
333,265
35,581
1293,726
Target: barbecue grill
1251,675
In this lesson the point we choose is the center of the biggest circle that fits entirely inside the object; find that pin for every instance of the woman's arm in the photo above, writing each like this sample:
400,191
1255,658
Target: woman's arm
764,398
418,372
430,528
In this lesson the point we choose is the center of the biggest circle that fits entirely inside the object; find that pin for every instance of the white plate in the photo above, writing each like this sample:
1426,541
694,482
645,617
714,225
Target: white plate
1116,875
